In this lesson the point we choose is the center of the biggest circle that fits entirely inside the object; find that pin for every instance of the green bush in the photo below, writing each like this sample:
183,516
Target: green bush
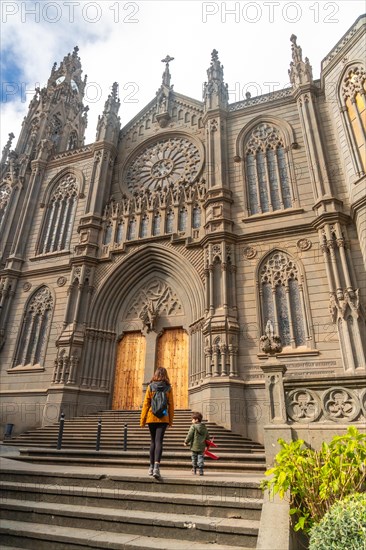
316,479
342,527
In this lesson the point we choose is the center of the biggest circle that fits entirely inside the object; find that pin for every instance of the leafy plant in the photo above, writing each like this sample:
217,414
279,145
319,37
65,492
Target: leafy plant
343,526
315,479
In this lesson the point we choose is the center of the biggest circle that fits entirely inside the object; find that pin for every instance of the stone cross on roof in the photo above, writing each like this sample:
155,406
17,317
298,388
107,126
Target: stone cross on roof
166,73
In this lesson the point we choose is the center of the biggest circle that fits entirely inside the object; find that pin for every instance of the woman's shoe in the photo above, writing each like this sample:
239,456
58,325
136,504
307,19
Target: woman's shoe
151,469
194,471
156,470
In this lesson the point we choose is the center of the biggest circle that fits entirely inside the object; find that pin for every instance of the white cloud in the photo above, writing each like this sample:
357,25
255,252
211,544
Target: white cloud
129,39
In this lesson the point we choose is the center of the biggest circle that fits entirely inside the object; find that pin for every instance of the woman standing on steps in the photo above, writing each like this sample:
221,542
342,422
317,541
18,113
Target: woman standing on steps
157,424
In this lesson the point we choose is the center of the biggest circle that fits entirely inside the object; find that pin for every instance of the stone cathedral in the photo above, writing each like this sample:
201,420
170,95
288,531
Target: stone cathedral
220,240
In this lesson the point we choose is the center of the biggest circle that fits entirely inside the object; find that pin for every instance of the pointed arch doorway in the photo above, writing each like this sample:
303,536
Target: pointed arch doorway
130,364
172,353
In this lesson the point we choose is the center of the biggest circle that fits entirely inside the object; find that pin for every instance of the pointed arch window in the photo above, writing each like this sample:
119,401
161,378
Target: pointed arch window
35,327
108,233
156,224
72,142
132,229
182,220
144,226
60,214
267,170
5,193
119,233
196,217
353,93
56,129
282,300
170,221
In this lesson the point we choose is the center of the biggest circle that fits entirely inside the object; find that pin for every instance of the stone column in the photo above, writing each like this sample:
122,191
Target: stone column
277,426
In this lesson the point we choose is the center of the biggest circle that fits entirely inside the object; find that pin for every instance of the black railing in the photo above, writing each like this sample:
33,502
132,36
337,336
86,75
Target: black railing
60,431
98,437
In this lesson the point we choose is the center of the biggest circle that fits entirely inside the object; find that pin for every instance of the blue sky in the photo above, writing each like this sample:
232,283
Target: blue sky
125,41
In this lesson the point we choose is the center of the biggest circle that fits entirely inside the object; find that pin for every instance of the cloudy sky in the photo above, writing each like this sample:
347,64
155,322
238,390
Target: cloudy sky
125,41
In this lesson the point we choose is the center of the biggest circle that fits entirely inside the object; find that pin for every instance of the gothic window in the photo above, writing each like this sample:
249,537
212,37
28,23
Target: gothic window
156,224
354,98
266,170
60,213
72,141
5,192
119,233
132,229
196,217
56,129
182,220
34,331
282,299
108,234
144,226
170,221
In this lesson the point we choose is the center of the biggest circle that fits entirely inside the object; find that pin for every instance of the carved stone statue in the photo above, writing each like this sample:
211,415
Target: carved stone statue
270,343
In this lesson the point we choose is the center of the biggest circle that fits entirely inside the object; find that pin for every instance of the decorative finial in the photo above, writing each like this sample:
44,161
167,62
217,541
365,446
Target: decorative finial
300,71
115,90
166,73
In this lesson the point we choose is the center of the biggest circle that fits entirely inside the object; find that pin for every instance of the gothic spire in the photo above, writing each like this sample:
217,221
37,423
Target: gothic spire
300,72
109,122
163,95
215,91
56,112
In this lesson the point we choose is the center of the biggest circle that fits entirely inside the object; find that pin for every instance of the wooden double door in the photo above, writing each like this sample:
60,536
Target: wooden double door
171,353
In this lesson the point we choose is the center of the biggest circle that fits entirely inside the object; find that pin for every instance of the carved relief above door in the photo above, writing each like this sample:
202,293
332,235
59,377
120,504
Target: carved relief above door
127,393
172,353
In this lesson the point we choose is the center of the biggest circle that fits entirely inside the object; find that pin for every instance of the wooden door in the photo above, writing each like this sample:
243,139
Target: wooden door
172,353
129,375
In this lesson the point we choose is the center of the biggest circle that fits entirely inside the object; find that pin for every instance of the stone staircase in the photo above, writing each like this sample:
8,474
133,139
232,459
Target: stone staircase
79,443
69,508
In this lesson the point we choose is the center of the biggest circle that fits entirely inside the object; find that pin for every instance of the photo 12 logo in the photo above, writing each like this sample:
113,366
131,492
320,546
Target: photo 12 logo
270,12
53,12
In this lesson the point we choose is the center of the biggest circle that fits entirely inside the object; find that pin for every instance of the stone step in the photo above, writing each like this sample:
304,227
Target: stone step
98,462
189,527
143,446
44,537
204,504
79,442
205,487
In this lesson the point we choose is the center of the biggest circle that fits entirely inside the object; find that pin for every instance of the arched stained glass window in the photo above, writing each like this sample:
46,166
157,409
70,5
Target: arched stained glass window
132,229
282,299
196,217
34,330
266,170
60,213
108,234
156,224
144,226
182,220
119,232
170,221
353,92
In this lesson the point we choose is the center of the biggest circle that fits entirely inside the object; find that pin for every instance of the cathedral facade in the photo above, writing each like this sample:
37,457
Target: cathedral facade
206,237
